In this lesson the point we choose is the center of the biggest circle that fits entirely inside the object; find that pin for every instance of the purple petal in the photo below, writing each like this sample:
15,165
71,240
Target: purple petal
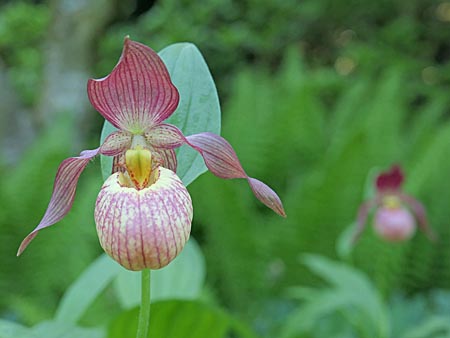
222,161
219,156
164,136
66,181
138,93
63,193
266,195
361,221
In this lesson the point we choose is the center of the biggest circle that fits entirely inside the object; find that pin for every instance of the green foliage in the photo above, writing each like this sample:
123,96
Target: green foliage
22,28
315,136
48,330
351,306
175,319
351,293
62,252
219,28
80,295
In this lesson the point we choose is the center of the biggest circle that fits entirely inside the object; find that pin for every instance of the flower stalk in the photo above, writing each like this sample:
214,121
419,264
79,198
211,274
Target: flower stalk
144,312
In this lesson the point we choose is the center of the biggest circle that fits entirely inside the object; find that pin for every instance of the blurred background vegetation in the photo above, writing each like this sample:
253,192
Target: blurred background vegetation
315,95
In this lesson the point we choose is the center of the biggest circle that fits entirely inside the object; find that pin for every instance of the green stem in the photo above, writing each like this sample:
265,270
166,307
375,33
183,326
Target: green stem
144,313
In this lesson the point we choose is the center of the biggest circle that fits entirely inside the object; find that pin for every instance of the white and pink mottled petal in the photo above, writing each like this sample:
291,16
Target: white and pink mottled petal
144,228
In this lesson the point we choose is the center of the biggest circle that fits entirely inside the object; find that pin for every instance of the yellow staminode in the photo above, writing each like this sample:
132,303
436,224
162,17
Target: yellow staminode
139,166
392,202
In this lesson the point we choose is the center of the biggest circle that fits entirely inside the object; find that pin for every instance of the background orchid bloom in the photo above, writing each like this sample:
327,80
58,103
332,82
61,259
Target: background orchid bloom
396,212
143,212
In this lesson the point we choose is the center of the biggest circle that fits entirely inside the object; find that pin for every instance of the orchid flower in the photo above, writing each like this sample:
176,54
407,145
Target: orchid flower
143,212
396,212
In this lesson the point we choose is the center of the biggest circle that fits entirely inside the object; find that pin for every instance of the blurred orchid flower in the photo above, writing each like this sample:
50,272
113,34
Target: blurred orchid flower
396,212
143,212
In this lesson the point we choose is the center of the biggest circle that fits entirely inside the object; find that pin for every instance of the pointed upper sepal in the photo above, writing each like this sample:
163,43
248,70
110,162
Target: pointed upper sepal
138,93
222,161
63,193
390,180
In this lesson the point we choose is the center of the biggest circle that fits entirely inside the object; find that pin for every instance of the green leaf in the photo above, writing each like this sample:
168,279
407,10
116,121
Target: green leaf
181,279
106,162
10,329
49,329
358,288
86,288
198,110
54,329
178,319
430,328
351,292
344,245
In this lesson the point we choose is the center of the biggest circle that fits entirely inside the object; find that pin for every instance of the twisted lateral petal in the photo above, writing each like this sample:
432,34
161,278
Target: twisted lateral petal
421,215
63,193
138,93
361,220
222,161
144,228
164,135
266,195
65,184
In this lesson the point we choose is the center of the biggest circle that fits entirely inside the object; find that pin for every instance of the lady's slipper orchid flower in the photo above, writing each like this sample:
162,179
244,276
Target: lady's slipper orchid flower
396,213
143,212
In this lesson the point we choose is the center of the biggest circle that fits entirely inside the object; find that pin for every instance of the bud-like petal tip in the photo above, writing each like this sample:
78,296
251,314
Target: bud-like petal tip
144,228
